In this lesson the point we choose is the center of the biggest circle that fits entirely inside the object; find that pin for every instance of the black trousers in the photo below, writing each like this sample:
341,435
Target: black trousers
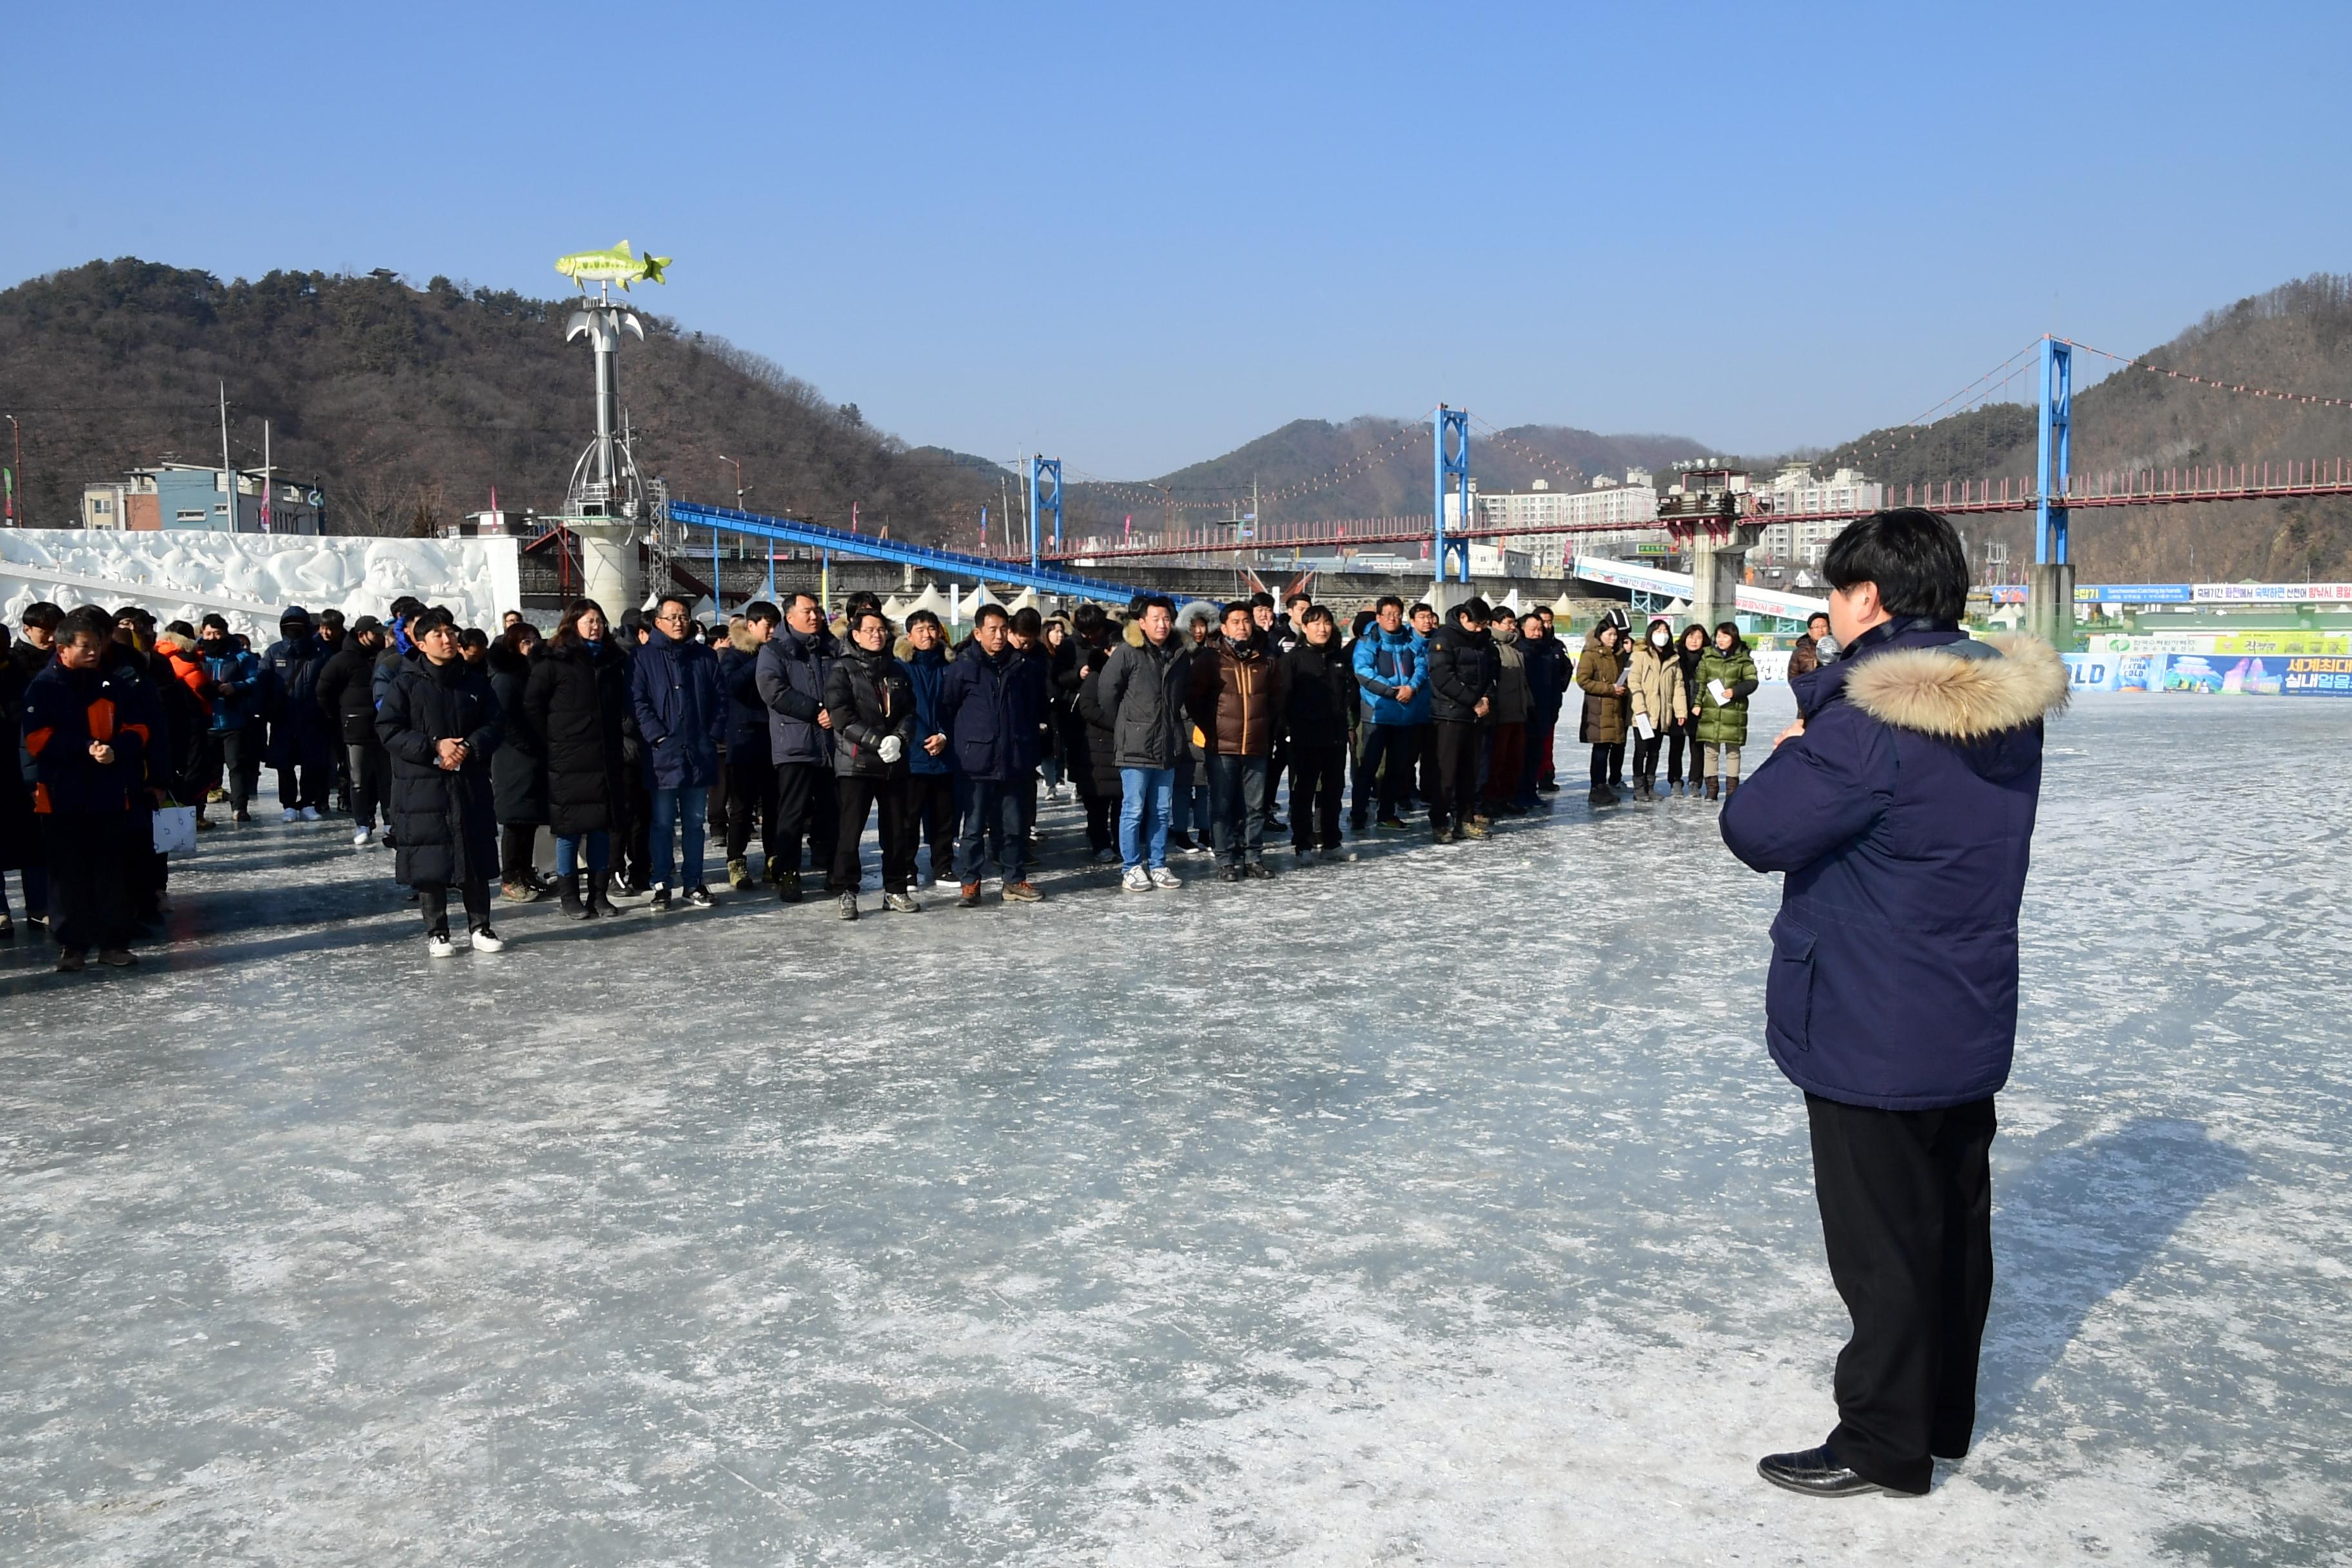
1645,757
235,759
1102,819
1317,779
370,783
89,871
635,839
1431,784
932,806
517,840
1681,735
750,791
858,795
306,776
1907,1212
1389,753
432,901
1456,800
1608,762
806,808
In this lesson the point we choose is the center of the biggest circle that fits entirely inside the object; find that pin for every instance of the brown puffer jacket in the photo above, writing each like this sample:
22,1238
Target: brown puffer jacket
1236,698
1597,671
1804,657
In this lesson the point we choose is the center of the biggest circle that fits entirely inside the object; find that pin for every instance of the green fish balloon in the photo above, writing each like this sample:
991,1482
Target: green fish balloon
619,265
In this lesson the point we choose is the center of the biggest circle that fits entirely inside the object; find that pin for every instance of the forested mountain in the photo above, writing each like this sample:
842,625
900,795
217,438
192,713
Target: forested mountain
408,405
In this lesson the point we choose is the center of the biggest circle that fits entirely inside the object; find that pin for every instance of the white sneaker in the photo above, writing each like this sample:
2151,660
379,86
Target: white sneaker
362,839
290,815
438,944
310,814
487,941
1164,880
1137,880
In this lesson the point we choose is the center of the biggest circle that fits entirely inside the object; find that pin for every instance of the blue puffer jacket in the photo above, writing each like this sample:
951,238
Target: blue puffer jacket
992,708
747,716
674,691
299,731
927,668
237,684
1387,661
1902,818
790,677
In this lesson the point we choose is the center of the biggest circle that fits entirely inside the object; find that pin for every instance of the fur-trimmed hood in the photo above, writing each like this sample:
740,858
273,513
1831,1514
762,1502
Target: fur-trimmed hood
1961,691
740,639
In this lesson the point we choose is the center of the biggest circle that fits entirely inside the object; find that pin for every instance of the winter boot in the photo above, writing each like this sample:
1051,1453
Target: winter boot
1713,785
568,894
600,894
739,874
1602,795
1731,788
788,888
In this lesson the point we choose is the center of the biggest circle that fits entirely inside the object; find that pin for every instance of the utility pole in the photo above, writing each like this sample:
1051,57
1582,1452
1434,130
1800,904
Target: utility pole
228,474
16,474
265,477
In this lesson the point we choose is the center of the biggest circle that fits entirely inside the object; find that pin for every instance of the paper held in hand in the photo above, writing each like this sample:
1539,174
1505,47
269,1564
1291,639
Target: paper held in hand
1643,727
1722,692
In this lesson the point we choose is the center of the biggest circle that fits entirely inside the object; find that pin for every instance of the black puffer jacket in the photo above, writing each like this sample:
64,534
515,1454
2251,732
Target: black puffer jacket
346,692
1093,760
1463,669
1319,685
871,697
518,773
445,819
577,705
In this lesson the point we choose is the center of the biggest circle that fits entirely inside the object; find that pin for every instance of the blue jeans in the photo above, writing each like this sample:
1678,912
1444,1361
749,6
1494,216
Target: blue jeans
995,816
1146,797
674,808
1237,807
567,851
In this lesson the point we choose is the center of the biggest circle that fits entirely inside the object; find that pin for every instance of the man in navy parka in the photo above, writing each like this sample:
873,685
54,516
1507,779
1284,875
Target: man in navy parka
1900,808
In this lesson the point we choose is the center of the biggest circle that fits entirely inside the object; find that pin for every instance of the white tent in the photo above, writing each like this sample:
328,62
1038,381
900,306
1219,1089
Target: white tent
1026,601
930,599
894,610
1563,606
980,597
1511,602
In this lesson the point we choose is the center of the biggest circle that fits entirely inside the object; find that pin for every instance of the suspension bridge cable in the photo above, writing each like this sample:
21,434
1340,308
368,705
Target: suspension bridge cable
2312,399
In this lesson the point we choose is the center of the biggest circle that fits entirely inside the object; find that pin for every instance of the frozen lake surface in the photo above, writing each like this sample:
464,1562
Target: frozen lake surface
1437,1207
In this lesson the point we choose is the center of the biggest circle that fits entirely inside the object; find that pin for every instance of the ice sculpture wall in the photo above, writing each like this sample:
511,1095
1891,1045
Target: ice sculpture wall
251,578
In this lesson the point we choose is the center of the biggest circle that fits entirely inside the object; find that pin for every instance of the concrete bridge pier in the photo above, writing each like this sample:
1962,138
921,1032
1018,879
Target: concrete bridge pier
1715,568
610,572
2049,602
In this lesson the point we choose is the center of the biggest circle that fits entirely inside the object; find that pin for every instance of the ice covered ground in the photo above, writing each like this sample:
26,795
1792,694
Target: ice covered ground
1437,1207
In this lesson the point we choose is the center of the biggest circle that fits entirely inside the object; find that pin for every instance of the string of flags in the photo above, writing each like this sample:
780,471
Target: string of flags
2306,397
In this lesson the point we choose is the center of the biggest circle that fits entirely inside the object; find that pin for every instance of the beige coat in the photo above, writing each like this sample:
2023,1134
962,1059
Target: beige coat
1655,685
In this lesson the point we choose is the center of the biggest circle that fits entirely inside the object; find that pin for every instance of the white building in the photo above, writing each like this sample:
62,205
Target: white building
1796,490
1632,504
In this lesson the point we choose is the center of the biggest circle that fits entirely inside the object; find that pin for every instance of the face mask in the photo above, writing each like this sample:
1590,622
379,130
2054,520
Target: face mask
1657,640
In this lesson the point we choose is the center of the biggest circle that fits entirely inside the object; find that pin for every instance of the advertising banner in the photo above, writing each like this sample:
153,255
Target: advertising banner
2317,675
2269,593
2134,594
2224,643
2091,671
2220,675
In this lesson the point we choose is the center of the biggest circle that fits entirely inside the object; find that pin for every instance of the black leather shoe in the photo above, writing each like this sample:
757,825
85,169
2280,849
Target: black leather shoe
1815,1472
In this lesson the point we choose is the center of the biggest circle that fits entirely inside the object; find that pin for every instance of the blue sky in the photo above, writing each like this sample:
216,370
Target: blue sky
1137,236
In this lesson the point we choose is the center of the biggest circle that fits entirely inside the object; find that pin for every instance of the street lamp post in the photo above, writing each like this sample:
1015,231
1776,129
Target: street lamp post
742,489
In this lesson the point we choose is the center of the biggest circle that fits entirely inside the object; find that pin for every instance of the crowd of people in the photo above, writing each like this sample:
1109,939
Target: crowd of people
632,743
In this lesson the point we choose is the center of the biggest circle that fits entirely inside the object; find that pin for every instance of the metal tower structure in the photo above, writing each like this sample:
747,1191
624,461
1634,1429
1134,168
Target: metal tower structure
605,481
1455,423
1044,477
2050,598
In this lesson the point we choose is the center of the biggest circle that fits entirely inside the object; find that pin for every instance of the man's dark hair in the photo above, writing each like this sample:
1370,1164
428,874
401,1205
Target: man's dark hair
859,615
1385,600
1913,556
1821,615
428,619
89,621
761,610
864,599
181,629
473,636
215,622
680,600
1234,607
1260,600
1089,620
1298,599
1425,606
1157,601
330,617
1028,622
793,600
407,604
1138,604
41,617
923,618
1317,613
986,614
1475,608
